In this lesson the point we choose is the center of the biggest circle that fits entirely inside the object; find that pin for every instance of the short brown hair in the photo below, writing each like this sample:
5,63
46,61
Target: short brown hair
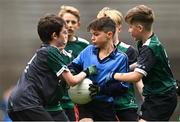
104,24
69,9
142,14
49,24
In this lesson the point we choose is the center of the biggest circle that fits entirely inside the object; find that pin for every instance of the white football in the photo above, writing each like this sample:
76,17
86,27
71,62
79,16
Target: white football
80,93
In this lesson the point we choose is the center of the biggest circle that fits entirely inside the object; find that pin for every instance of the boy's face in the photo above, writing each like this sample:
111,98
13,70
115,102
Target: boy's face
100,38
135,31
72,23
61,40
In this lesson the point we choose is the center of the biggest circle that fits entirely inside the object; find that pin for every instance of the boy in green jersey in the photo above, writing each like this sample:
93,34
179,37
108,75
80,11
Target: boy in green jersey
152,67
74,46
125,104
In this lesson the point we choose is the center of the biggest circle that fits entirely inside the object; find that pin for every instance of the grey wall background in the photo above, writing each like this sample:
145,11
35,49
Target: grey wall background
19,39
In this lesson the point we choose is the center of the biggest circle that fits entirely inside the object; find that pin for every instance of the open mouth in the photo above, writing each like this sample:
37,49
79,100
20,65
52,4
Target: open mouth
70,31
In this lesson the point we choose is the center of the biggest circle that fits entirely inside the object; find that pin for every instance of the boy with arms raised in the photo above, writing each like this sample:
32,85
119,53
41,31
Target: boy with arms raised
152,67
43,75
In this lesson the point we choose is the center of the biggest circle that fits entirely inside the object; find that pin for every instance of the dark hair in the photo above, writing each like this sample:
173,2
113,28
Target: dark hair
141,14
105,24
48,25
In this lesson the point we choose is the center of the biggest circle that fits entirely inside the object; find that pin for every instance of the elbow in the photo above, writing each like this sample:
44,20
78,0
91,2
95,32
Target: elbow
137,79
137,76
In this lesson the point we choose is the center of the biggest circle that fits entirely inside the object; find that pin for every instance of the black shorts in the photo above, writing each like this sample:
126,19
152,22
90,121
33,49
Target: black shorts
32,114
129,114
159,107
98,111
59,115
71,114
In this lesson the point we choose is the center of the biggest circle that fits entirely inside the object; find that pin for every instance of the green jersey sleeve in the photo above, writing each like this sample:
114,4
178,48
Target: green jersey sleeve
57,61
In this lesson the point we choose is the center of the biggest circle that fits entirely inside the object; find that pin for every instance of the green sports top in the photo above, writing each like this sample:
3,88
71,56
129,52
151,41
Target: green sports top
73,48
39,84
153,63
128,99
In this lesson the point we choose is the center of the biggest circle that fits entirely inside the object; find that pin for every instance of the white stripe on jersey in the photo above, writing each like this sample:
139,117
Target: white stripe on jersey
83,40
124,45
140,71
64,68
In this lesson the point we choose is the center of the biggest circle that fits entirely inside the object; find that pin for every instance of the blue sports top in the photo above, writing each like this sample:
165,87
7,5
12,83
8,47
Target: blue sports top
117,61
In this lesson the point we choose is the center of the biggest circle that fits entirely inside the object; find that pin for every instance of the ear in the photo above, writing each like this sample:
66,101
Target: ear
54,36
110,34
78,25
140,27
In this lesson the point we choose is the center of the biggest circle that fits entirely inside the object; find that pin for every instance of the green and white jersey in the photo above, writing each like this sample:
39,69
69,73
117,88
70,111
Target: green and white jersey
153,63
127,100
57,105
74,48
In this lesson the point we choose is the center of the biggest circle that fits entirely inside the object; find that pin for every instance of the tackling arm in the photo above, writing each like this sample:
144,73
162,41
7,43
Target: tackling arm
128,77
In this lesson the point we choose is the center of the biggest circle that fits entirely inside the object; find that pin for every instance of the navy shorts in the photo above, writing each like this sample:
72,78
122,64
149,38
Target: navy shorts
159,107
37,114
129,114
98,111
32,114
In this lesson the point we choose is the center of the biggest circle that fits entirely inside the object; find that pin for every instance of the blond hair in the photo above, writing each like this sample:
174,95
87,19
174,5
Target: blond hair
114,14
69,9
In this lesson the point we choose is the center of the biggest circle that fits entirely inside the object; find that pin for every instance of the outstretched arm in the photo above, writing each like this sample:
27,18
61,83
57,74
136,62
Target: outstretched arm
75,79
128,77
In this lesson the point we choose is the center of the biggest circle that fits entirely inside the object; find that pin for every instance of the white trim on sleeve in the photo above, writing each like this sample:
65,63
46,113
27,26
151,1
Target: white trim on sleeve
140,71
64,68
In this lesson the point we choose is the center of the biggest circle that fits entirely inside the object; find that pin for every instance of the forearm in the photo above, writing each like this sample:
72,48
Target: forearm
139,86
73,79
128,77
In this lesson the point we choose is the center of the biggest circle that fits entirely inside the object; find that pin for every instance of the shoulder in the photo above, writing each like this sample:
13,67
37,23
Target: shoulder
82,40
121,54
153,42
122,44
52,50
54,53
90,47
126,48
43,51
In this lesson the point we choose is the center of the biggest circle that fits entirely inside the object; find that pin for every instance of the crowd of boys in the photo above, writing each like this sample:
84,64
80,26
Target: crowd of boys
64,59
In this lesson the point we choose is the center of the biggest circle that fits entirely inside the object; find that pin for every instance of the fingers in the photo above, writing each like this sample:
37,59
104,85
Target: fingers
93,90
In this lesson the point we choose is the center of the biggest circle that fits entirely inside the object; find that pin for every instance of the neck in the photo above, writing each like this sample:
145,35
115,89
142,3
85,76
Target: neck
146,36
106,50
116,39
71,38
